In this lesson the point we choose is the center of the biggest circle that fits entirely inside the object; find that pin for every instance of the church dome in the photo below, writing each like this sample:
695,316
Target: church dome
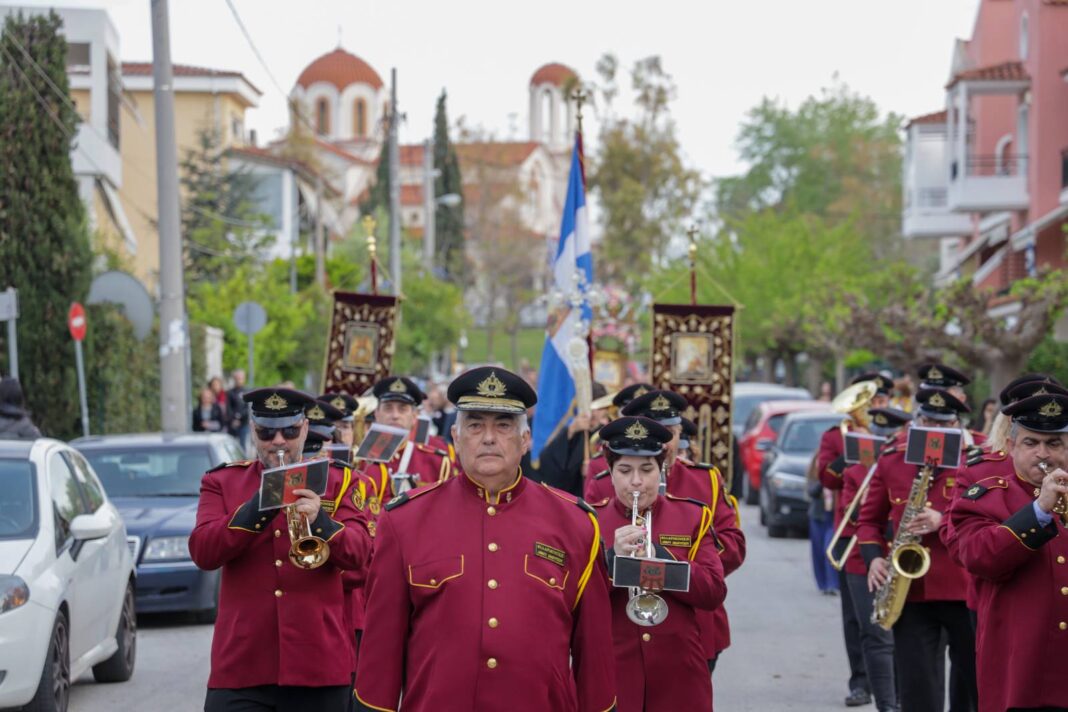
341,69
553,73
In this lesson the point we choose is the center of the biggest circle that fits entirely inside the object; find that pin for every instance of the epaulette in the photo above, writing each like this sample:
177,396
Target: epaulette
432,450
224,465
691,500
340,463
603,473
602,503
410,495
974,455
978,489
571,498
995,455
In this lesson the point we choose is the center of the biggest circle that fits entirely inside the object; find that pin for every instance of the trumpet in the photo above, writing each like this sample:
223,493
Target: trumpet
306,551
1060,508
847,518
645,608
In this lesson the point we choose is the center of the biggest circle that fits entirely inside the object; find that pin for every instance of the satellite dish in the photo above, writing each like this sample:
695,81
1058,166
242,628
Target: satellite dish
125,290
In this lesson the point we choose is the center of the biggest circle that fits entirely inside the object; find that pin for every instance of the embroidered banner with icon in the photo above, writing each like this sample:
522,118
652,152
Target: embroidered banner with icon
692,355
359,352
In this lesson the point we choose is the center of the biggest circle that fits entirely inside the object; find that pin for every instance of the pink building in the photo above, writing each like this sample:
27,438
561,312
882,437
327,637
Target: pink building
988,175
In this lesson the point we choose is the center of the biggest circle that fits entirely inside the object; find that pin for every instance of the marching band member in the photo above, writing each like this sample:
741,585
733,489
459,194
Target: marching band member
398,406
598,463
648,657
935,604
1009,536
345,425
281,639
488,591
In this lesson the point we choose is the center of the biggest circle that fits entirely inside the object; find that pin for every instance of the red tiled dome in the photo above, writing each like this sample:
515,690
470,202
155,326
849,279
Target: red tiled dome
553,73
341,69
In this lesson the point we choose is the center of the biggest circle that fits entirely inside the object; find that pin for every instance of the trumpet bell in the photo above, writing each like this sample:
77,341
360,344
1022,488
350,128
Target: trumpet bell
855,397
647,609
309,552
911,561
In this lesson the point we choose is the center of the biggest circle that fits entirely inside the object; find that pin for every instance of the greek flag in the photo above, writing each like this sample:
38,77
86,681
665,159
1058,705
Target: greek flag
572,276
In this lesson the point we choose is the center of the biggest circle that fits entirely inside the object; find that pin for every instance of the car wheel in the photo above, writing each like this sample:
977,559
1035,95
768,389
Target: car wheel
208,615
752,496
777,531
53,691
120,666
763,517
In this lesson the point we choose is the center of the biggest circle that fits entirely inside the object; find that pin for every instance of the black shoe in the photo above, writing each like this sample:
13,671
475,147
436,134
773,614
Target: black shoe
858,698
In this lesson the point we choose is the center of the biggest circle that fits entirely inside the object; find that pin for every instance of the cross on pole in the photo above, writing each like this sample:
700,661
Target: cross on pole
580,96
372,248
691,232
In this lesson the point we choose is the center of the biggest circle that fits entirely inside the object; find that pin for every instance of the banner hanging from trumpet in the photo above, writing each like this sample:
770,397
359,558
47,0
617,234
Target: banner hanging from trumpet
359,351
692,355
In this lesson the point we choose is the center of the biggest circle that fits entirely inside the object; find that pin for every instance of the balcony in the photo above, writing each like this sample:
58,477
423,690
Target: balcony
986,183
1064,177
926,212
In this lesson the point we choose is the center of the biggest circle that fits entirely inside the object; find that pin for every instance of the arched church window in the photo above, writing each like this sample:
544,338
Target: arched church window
322,116
359,119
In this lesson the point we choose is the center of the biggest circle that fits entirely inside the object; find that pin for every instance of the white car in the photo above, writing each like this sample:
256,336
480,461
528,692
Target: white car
66,578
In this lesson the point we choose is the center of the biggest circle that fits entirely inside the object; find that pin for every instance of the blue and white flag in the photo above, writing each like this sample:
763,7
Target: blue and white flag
572,275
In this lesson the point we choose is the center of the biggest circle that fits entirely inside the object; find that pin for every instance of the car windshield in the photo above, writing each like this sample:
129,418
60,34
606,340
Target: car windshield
804,435
158,471
18,501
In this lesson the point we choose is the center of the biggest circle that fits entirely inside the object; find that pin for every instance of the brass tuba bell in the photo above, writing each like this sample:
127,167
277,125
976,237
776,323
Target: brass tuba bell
854,401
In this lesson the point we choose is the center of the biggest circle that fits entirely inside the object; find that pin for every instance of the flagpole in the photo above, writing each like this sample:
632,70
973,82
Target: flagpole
692,233
372,250
580,96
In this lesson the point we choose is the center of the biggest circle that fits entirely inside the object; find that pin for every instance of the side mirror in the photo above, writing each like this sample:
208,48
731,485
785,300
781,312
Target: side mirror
764,444
91,526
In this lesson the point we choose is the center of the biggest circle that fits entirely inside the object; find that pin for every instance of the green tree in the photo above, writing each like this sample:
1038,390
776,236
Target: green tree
432,316
44,244
221,226
448,220
647,193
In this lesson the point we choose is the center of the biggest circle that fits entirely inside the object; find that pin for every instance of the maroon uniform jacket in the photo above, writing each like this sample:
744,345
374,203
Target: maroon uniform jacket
704,484
264,634
481,602
981,463
852,478
886,500
364,496
663,668
1021,573
428,462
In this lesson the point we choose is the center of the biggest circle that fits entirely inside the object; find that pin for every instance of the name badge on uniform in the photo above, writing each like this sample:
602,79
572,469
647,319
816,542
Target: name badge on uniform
676,540
544,551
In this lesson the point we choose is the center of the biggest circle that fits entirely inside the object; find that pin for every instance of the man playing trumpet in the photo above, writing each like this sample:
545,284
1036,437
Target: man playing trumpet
661,667
1010,535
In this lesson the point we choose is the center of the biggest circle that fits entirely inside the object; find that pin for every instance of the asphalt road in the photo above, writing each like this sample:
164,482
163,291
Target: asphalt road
786,651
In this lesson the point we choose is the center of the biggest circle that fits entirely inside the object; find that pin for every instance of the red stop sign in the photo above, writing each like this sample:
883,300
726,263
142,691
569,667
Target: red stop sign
76,321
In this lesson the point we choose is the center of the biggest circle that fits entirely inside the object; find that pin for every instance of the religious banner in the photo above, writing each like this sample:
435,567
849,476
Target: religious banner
360,349
692,355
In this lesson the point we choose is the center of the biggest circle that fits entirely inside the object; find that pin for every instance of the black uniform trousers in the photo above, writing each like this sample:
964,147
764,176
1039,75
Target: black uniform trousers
877,644
278,698
858,675
918,654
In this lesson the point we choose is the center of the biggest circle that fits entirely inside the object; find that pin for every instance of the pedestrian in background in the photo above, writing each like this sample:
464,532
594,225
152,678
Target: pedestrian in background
820,531
237,409
219,391
15,423
207,415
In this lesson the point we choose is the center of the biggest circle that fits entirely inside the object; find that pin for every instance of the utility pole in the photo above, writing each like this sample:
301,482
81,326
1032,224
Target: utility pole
320,240
394,187
430,203
174,347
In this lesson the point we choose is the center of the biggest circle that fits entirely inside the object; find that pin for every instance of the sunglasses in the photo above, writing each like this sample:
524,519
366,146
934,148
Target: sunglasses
291,432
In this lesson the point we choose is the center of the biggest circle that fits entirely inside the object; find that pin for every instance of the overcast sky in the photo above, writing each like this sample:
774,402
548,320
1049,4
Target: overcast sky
724,56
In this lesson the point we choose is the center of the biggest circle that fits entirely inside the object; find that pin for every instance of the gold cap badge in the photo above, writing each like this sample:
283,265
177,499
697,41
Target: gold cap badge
880,419
491,386
641,391
275,402
339,403
936,401
660,403
316,413
636,431
398,387
933,374
1041,392
1052,409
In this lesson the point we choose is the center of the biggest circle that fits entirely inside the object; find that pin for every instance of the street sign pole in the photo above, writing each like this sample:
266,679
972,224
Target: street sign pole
77,324
250,317
251,360
80,363
9,312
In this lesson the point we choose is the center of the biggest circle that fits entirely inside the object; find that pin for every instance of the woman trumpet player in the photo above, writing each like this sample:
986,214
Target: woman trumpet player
662,667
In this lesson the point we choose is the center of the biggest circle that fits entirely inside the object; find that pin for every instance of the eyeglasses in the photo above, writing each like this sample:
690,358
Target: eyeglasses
291,432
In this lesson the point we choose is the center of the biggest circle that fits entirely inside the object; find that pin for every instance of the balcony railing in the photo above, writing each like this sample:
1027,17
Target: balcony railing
991,166
931,198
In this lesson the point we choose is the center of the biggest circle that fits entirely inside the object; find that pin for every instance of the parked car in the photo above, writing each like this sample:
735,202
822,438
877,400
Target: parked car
66,577
760,431
783,497
154,480
745,396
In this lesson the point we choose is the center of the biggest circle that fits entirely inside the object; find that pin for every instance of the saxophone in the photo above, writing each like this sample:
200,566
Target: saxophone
908,558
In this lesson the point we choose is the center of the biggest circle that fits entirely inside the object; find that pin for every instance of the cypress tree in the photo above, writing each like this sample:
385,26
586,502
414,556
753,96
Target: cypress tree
449,221
44,245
